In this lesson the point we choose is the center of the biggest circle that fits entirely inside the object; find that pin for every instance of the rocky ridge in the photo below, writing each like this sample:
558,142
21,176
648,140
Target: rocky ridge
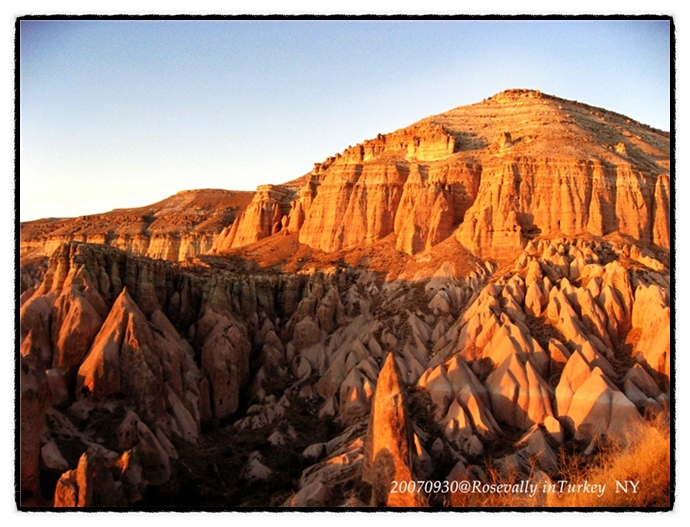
555,345
493,174
179,227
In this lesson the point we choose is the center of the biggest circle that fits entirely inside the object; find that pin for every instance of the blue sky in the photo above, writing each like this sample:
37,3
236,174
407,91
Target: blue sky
125,113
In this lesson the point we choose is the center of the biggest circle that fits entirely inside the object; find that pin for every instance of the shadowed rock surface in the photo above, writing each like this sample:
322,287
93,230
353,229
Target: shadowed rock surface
389,442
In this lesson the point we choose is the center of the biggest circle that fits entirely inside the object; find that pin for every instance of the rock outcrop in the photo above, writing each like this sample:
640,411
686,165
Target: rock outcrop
519,396
34,400
544,166
225,359
389,442
89,485
263,217
178,347
599,407
124,359
179,227
493,174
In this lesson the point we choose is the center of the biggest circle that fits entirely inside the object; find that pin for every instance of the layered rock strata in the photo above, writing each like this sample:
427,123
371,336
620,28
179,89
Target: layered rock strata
180,227
497,174
493,174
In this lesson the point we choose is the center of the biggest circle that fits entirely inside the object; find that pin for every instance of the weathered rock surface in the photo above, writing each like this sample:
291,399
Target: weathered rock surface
90,485
519,396
389,442
133,434
262,348
179,227
544,166
652,316
225,358
34,400
124,358
263,217
599,407
499,192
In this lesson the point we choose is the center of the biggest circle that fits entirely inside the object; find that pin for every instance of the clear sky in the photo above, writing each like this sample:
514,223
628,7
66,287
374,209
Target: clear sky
118,113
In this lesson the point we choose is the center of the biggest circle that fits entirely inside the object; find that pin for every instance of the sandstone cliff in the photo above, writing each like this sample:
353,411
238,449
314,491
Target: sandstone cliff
174,229
263,217
496,173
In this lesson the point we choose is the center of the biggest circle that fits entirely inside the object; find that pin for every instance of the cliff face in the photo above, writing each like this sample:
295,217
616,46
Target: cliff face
174,229
355,203
395,183
497,174
263,217
494,174
522,198
435,199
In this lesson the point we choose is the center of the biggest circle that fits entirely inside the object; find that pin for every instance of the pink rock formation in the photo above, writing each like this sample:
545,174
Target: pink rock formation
355,203
124,358
434,201
262,218
77,323
462,402
651,314
389,443
576,371
496,173
519,396
281,341
662,193
521,197
133,435
225,359
599,407
512,187
89,485
34,400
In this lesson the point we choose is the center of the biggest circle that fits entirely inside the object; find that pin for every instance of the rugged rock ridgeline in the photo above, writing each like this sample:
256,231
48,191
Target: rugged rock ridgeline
494,174
179,227
266,215
338,337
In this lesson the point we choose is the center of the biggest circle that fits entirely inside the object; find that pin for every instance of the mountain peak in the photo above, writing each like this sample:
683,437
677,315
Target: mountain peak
519,93
494,174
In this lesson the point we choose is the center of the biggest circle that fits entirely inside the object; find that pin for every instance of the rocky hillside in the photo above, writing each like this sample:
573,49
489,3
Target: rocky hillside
179,227
483,297
494,174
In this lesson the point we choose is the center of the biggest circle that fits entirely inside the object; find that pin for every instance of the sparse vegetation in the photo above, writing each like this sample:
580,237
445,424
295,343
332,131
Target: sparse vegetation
646,458
642,459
